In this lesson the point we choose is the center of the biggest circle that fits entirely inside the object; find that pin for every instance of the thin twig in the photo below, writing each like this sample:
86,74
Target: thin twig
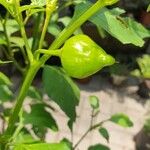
89,130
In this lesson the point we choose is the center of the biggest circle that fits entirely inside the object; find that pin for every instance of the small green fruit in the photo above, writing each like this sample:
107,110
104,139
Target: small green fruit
82,57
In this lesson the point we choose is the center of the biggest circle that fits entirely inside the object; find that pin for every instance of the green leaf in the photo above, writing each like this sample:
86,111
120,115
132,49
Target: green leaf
2,37
144,69
23,138
4,62
30,12
122,120
39,130
61,89
17,41
34,93
136,73
117,11
54,29
148,9
4,79
8,5
118,69
5,93
124,29
79,1
66,20
11,25
40,117
38,2
144,64
3,41
104,133
43,146
29,7
98,147
147,126
67,142
94,102
138,28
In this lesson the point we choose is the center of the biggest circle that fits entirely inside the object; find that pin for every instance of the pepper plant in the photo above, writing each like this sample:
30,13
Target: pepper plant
80,57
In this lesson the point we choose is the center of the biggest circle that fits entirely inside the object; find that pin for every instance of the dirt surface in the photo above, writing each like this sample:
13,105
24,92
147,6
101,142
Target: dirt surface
113,99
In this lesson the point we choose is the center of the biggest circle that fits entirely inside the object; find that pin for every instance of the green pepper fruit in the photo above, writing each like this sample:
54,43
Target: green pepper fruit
82,57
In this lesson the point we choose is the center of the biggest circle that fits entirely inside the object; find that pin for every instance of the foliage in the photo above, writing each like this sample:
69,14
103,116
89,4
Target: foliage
147,126
121,120
128,31
148,9
34,51
42,146
104,133
66,96
144,69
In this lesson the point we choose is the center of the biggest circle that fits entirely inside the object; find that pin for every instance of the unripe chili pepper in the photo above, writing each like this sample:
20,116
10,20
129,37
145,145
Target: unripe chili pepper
82,57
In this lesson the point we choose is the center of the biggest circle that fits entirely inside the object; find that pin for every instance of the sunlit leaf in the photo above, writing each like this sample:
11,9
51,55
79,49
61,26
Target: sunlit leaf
144,64
28,7
136,73
79,1
144,69
54,29
5,62
3,41
124,29
38,2
94,102
11,26
42,146
122,120
148,9
17,41
8,5
117,11
23,138
4,79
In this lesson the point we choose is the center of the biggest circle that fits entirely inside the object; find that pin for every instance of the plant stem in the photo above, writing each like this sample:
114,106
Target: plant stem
50,53
89,130
68,31
36,31
92,118
35,65
23,32
23,91
83,136
44,30
6,34
20,126
24,55
10,54
66,4
50,8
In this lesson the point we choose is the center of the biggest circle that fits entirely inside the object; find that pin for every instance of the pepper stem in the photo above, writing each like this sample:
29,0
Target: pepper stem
47,52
